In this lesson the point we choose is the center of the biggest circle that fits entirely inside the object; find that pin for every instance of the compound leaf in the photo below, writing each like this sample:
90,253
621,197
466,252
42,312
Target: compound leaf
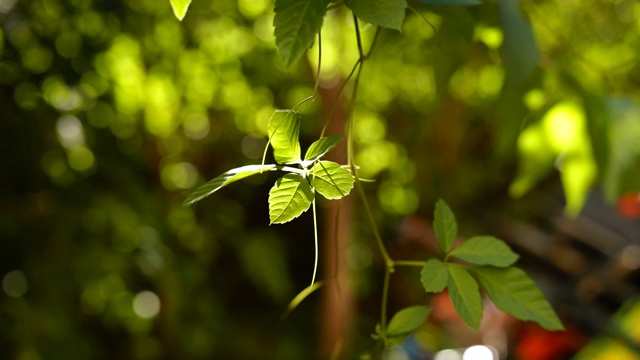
434,276
296,24
321,146
180,8
445,226
283,130
515,293
465,296
331,180
385,13
485,250
224,180
407,320
288,198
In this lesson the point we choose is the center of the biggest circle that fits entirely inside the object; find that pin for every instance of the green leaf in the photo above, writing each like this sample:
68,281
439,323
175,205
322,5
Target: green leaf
434,276
283,130
180,8
445,226
385,13
451,2
288,198
321,147
407,320
515,293
331,180
485,250
464,294
296,24
520,50
224,180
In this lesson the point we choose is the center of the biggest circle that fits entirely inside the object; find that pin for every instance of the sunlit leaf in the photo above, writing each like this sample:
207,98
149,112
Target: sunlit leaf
485,250
434,276
385,13
451,2
180,8
224,180
515,293
283,129
288,198
465,296
321,147
297,22
407,320
331,180
445,226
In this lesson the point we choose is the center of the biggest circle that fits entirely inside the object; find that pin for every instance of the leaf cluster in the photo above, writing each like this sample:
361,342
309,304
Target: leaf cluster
293,193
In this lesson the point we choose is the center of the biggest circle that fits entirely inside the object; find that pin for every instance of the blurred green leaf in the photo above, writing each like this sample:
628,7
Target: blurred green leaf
321,146
283,129
288,198
520,49
434,276
331,180
451,2
445,226
407,320
465,296
624,147
297,22
225,179
485,250
515,293
180,8
385,13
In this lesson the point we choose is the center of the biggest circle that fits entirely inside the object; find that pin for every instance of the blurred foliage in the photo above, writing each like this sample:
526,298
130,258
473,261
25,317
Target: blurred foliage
112,112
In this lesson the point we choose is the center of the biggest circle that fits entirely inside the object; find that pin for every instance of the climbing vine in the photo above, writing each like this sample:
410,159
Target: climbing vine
479,263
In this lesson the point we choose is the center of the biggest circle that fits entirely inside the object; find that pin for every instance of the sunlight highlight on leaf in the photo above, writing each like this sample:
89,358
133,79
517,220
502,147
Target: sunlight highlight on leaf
288,198
331,180
283,130
321,146
180,8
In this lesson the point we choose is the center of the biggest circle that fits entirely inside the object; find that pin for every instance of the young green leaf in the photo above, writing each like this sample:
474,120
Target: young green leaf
407,320
515,293
321,147
485,250
296,24
451,2
445,226
283,130
180,8
224,180
331,180
288,198
434,276
464,294
385,13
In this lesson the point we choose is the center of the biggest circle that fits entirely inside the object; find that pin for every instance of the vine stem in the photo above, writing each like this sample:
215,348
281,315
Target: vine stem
315,237
409,263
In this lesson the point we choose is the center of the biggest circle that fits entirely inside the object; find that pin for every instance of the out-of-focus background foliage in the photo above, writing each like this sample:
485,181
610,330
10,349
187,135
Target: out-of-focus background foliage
524,117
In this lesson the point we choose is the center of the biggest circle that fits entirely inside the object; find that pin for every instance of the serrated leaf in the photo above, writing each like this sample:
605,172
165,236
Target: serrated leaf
180,8
224,180
515,293
465,296
385,13
445,226
451,2
331,180
288,198
283,130
407,320
296,24
434,276
321,146
485,250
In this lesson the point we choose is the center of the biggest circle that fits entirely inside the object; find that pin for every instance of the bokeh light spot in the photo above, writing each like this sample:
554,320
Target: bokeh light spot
146,304
15,284
81,159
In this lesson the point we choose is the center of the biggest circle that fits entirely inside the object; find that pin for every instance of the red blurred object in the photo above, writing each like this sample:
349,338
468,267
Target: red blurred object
537,343
629,205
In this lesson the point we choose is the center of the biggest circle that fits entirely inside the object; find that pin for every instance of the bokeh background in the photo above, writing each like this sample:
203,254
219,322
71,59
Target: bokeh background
523,116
